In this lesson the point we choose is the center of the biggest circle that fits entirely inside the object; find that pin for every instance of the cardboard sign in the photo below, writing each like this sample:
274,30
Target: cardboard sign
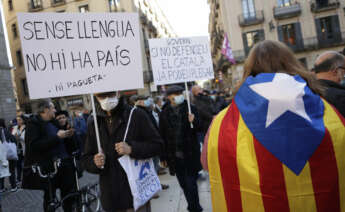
176,60
72,53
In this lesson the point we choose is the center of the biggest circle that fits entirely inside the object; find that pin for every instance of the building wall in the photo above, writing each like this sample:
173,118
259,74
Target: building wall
160,27
7,100
229,11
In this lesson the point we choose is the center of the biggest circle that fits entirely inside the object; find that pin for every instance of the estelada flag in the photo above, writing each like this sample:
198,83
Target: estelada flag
278,147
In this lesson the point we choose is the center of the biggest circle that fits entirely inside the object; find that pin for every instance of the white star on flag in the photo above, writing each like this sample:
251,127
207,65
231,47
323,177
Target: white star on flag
284,94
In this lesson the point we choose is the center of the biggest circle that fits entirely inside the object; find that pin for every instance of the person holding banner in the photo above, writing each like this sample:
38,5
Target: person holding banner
182,149
143,142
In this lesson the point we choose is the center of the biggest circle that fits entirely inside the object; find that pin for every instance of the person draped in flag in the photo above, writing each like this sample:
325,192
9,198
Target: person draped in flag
279,146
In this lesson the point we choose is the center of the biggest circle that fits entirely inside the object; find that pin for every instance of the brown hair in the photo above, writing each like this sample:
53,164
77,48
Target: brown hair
275,57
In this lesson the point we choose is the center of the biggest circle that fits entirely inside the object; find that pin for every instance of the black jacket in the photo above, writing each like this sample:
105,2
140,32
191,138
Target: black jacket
142,137
190,144
38,150
206,109
335,94
8,136
150,115
221,104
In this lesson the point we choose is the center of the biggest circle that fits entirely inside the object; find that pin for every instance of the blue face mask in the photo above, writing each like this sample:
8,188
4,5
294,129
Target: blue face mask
179,99
213,97
148,102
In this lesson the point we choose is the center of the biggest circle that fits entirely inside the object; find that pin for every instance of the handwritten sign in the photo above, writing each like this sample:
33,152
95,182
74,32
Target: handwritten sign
176,60
71,53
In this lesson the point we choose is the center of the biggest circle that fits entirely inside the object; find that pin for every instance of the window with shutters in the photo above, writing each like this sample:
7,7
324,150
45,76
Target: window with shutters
251,38
328,30
14,30
19,57
84,9
10,5
321,3
36,4
25,87
289,34
284,3
248,9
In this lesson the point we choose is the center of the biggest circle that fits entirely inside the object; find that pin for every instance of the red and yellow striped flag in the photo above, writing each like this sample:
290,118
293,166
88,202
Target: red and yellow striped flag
246,176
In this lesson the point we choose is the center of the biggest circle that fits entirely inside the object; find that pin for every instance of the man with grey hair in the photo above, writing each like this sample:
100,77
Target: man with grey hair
44,143
329,69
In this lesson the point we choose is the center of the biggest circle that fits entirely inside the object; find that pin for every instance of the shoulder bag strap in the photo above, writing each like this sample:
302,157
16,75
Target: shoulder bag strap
129,122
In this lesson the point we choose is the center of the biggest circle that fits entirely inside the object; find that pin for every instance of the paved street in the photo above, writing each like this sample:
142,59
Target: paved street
171,200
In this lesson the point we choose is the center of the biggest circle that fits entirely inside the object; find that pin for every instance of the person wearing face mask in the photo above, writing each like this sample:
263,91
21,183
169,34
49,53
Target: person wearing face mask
182,149
145,103
329,69
143,142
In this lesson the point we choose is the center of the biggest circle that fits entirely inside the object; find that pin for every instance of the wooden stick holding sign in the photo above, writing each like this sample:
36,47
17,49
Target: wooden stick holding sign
94,114
188,102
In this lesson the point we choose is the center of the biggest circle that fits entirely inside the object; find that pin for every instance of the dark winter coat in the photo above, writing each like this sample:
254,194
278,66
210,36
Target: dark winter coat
150,115
220,104
8,136
142,137
335,94
190,145
38,150
206,109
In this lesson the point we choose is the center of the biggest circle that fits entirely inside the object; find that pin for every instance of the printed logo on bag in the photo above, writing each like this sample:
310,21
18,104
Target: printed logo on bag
144,170
147,183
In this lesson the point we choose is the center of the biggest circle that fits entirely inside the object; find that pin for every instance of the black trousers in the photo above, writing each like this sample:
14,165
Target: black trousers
66,182
188,182
19,167
12,164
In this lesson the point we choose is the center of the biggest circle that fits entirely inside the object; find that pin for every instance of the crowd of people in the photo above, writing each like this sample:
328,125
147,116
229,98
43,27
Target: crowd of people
162,128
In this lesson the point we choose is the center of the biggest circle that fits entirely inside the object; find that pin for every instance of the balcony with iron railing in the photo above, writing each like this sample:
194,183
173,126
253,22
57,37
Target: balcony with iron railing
308,44
247,19
56,3
317,6
282,12
35,5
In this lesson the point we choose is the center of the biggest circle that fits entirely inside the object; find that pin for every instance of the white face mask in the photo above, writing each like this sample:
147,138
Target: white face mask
179,99
109,103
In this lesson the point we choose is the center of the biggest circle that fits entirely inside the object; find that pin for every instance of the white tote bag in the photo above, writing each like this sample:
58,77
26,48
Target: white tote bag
11,148
141,174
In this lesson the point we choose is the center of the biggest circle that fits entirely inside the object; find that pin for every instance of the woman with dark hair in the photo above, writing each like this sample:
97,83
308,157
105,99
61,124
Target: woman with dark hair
19,133
280,145
6,135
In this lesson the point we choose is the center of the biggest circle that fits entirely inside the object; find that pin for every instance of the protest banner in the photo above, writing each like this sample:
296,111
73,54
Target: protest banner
72,53
180,60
